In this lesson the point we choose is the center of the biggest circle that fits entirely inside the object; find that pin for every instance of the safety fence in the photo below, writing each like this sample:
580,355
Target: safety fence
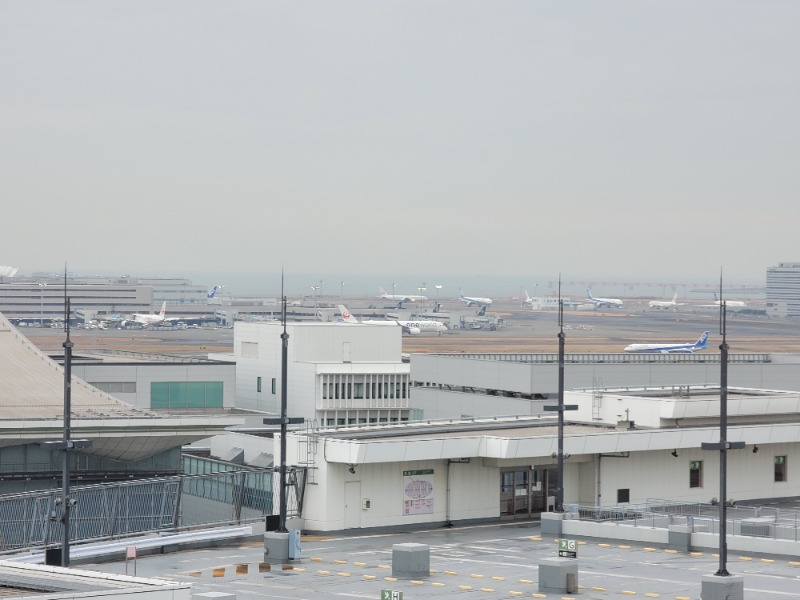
116,510
755,521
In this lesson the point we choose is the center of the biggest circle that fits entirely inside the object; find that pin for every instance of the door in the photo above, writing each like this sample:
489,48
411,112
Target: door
352,504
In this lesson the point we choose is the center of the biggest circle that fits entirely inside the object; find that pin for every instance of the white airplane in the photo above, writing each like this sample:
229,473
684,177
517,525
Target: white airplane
409,327
729,303
664,303
152,319
400,297
528,301
474,301
677,347
601,302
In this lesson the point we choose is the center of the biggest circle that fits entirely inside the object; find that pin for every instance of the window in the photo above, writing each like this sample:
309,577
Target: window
623,495
258,384
274,385
696,474
780,468
183,394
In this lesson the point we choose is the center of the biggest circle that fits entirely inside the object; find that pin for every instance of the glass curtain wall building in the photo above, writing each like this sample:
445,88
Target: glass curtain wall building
783,290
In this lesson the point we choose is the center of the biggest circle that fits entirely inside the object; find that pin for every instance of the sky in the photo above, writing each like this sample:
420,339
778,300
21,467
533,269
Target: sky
401,141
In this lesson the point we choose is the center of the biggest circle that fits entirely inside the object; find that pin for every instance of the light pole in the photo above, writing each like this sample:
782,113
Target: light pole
438,287
342,294
41,303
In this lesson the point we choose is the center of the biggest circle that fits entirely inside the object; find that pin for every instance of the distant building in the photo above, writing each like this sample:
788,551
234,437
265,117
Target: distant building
783,290
337,374
41,299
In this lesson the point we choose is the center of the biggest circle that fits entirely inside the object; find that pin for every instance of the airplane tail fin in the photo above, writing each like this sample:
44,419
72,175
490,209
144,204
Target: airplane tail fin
437,308
675,298
212,292
703,341
589,294
163,310
482,311
399,305
346,316
381,292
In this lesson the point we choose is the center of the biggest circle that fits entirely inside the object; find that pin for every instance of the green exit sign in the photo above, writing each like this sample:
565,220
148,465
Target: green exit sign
567,548
391,595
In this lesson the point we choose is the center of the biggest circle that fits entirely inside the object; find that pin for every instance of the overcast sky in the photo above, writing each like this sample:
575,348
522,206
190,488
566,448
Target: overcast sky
639,140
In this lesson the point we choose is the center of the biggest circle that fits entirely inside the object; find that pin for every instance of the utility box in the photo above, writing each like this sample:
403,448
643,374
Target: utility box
294,544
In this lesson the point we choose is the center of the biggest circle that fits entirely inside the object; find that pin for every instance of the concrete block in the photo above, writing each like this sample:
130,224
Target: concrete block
276,547
411,561
679,537
718,587
558,575
551,524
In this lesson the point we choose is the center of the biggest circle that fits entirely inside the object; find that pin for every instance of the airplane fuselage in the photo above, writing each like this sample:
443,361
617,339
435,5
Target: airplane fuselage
673,348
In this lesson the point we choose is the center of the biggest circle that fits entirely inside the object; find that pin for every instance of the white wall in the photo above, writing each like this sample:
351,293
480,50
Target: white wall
659,475
474,494
146,373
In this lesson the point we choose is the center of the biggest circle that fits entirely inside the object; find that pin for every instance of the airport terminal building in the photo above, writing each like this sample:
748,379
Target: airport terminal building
465,438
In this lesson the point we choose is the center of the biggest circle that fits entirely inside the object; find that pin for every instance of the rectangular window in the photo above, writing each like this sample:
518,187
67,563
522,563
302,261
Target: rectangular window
115,387
258,384
623,495
780,468
696,474
274,385
183,394
358,390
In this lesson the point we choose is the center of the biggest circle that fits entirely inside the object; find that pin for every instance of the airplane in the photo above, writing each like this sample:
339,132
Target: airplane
680,348
528,300
152,319
729,303
212,292
664,303
409,327
401,297
473,301
601,302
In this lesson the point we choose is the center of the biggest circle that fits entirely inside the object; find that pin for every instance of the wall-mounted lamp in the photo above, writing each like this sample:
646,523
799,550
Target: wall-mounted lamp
755,449
351,469
675,453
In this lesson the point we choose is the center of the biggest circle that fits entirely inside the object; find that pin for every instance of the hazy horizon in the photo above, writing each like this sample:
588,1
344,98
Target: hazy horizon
367,284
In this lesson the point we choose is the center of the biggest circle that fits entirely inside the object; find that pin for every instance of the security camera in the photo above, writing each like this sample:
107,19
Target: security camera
72,502
57,501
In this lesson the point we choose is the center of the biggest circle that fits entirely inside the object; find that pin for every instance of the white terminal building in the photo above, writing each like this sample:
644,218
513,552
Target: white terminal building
465,439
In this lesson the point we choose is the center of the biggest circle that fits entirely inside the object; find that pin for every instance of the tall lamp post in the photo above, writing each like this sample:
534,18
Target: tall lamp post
560,407
41,303
733,587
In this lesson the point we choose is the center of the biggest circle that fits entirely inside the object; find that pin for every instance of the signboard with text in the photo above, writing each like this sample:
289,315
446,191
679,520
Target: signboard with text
418,492
391,595
567,549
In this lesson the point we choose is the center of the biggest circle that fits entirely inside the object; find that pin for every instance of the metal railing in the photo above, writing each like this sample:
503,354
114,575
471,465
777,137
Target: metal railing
753,521
116,510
